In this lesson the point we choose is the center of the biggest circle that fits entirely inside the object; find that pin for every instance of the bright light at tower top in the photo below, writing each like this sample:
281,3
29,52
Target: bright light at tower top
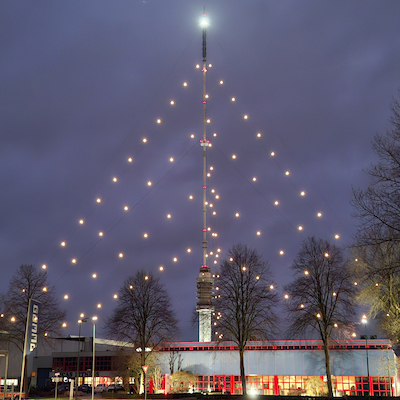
204,21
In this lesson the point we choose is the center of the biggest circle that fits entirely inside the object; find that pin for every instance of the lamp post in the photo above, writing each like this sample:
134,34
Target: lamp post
80,321
364,321
94,351
4,353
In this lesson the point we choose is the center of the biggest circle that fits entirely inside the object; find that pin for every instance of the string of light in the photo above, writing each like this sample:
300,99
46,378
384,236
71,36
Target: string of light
233,159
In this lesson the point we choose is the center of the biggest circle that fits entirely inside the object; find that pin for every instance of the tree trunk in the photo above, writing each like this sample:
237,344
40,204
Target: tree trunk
141,383
242,374
328,368
142,374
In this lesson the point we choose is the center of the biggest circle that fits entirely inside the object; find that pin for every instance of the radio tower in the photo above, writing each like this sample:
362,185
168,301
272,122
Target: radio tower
205,281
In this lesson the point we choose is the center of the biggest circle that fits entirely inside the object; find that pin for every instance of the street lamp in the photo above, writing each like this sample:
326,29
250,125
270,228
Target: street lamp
80,321
365,321
94,350
4,353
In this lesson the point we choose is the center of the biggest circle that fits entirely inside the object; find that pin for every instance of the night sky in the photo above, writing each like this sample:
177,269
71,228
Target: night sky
83,83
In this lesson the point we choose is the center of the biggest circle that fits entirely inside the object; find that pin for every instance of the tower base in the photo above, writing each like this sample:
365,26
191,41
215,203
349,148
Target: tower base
205,334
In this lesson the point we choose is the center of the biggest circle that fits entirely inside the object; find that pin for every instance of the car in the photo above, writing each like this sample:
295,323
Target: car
115,388
100,388
64,387
12,392
84,388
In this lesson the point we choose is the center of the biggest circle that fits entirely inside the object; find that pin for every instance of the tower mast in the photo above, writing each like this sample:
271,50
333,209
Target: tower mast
204,281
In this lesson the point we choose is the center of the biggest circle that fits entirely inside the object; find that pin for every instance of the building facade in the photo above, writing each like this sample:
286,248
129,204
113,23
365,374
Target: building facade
359,367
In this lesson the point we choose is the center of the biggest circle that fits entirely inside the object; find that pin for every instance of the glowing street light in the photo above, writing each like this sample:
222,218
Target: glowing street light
94,319
80,322
365,321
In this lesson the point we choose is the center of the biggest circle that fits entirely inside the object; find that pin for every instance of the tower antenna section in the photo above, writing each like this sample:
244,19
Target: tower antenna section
205,281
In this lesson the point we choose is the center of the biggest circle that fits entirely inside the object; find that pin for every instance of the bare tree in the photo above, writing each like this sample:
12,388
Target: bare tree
376,271
134,368
244,301
143,315
29,282
376,245
378,207
173,355
321,296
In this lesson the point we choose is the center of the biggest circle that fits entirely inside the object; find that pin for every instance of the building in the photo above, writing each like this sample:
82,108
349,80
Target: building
272,368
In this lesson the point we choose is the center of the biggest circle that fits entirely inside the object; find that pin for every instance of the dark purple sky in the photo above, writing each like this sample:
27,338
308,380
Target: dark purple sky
82,83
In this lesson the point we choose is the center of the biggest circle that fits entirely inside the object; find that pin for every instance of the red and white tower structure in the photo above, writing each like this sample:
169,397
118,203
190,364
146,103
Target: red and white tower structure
205,281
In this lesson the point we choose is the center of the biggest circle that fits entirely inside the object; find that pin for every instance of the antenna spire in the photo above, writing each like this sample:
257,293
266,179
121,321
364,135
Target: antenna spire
204,25
204,281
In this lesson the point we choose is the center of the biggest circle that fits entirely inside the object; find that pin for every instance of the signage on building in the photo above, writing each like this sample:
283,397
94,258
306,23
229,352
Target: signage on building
33,325
72,374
